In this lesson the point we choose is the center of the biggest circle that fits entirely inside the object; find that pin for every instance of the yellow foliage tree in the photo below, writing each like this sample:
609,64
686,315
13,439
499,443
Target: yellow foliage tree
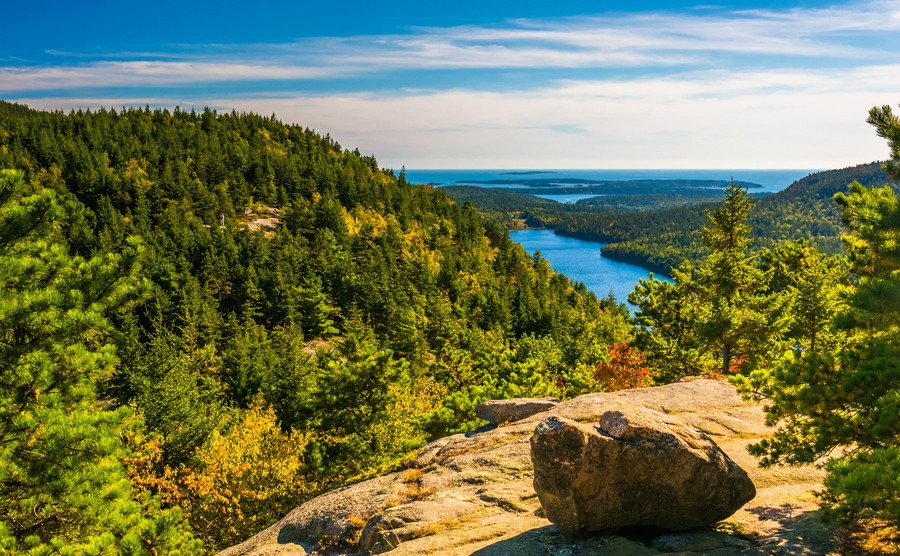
242,480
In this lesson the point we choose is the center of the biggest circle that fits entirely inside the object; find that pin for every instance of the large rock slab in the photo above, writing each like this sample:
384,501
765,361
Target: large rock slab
636,468
497,412
472,494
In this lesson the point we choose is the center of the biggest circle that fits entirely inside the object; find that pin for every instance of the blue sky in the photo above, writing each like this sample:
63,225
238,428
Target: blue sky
526,84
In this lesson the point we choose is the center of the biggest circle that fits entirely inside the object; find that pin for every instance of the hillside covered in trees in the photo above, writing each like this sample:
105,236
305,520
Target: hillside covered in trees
244,371
206,319
805,209
658,232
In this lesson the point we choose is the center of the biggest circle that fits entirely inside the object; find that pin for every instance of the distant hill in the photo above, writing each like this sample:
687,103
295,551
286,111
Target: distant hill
805,209
661,238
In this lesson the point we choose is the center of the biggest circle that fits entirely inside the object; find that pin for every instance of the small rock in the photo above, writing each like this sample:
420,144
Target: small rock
508,411
265,224
638,468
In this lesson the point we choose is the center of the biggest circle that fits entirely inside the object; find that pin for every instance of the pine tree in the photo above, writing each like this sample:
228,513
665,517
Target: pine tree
63,487
887,125
667,318
719,311
811,285
846,393
729,279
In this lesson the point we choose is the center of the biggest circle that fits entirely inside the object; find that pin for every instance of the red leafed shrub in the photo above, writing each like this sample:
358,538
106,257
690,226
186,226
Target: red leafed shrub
625,369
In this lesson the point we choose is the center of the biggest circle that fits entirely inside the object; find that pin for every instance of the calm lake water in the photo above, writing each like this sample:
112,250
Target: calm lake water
581,261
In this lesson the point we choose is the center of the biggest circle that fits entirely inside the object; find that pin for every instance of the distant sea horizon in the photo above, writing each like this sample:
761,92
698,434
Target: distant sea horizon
771,180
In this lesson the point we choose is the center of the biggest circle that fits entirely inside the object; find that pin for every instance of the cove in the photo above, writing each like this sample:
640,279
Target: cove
581,261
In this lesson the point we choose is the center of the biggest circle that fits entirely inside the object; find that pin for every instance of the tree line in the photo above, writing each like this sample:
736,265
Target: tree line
212,377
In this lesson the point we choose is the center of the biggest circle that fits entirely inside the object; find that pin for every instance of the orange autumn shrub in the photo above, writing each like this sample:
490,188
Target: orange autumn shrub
626,368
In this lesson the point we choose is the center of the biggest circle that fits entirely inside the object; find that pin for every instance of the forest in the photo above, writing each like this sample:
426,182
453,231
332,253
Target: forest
372,319
659,231
207,318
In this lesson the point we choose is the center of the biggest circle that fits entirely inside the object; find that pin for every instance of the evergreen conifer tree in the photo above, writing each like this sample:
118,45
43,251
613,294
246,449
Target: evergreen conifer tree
63,486
730,283
846,392
717,317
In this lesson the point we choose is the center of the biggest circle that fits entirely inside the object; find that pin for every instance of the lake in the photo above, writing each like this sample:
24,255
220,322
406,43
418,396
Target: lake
581,261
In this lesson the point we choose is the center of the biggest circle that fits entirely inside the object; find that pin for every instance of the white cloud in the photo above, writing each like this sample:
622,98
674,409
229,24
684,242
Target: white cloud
763,119
145,73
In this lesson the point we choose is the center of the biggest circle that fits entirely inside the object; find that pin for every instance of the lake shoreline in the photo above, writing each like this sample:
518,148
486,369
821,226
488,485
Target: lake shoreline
583,261
657,270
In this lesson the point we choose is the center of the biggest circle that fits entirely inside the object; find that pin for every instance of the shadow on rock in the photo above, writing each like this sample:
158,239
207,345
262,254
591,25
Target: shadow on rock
791,530
550,540
637,541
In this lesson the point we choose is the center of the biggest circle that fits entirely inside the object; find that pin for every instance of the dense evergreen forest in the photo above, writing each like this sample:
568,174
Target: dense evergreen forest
290,317
658,232
208,318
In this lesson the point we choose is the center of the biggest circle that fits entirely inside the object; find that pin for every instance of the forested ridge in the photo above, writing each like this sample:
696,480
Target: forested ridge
805,209
251,370
649,231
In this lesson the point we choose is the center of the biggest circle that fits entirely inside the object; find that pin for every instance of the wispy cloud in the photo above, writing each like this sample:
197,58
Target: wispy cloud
655,41
879,15
148,73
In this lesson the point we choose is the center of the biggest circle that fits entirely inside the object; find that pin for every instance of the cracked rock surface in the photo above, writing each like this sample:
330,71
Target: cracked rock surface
473,493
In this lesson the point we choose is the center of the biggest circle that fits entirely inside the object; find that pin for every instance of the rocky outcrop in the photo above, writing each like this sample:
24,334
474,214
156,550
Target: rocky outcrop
472,494
636,468
264,219
497,412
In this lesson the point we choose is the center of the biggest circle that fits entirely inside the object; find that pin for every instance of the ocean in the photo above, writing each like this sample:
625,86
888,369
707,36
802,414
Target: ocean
771,180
